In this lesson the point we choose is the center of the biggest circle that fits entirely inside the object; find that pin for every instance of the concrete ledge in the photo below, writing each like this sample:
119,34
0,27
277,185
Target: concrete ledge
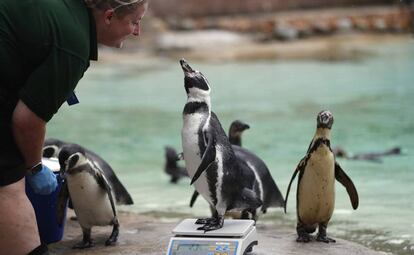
147,235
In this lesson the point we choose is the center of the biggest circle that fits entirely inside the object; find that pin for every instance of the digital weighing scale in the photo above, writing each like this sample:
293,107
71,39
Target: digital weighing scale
236,237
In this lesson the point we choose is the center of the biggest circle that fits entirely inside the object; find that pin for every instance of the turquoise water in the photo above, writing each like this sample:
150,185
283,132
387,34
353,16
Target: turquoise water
129,112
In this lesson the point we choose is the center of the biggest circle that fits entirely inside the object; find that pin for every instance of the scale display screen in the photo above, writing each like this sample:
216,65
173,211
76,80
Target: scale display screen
186,247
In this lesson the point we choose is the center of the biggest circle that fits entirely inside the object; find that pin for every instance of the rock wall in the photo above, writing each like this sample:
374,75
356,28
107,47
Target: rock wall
188,8
305,23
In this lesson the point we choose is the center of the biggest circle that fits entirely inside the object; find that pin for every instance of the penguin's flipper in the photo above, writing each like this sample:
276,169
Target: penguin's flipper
103,183
209,157
61,203
297,170
277,199
122,197
194,198
341,176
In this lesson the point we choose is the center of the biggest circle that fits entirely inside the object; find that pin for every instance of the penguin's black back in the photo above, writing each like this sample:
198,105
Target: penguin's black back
121,194
272,195
232,178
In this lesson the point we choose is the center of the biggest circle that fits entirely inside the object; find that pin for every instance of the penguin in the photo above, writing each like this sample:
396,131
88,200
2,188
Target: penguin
90,192
52,147
171,167
209,158
267,189
370,156
235,131
264,184
315,197
254,168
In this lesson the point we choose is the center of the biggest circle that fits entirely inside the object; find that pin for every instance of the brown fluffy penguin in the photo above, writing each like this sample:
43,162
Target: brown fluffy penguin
315,196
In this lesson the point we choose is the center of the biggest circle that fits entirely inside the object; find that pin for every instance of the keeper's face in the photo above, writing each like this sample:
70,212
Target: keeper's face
116,28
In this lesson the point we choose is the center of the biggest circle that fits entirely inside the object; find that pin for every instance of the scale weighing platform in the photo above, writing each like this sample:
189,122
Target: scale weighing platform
236,237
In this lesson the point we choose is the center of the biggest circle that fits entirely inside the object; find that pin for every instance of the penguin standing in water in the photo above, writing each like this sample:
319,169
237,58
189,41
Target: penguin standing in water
171,166
315,197
254,169
52,147
209,157
90,193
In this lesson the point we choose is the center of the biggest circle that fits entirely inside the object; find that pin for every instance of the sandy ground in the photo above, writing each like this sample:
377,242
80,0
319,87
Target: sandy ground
148,235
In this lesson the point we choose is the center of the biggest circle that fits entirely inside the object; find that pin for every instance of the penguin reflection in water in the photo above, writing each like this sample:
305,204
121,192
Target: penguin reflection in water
90,193
315,196
208,155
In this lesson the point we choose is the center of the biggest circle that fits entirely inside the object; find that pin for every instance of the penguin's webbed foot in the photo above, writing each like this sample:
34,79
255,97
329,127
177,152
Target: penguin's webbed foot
213,224
303,233
111,241
303,238
87,241
210,227
115,232
325,239
205,221
322,237
84,244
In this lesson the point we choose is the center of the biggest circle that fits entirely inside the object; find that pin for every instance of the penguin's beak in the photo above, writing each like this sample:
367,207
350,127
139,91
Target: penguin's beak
186,68
245,126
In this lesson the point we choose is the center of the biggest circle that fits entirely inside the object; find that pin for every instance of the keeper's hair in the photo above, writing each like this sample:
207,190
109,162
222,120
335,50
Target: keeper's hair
121,7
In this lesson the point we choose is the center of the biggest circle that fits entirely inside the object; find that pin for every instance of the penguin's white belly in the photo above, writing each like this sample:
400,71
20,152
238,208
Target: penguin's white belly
192,154
316,191
90,202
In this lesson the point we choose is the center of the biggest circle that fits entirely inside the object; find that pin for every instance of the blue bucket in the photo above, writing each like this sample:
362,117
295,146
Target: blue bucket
46,215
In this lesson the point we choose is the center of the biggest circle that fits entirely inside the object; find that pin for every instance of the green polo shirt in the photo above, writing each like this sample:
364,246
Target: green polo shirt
45,48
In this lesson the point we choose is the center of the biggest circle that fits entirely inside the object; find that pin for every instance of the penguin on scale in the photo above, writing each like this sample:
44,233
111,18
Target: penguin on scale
254,169
176,172
315,196
208,155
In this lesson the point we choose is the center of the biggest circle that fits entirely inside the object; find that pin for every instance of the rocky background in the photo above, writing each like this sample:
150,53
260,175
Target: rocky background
199,8
268,29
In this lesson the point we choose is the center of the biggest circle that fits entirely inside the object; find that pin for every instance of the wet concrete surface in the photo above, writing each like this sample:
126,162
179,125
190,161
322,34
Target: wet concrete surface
148,235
